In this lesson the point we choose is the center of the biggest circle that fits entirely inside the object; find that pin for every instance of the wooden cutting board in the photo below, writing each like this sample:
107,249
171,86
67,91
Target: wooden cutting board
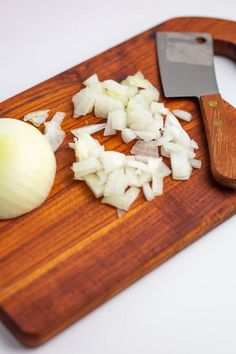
72,254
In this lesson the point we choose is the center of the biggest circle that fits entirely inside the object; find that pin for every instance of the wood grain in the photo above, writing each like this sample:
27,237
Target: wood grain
72,254
221,137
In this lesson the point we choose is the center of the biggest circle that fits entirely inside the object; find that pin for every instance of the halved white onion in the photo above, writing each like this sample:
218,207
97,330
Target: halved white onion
27,168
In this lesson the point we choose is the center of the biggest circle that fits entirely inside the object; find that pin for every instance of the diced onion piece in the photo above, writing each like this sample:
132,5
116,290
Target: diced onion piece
112,160
158,119
181,168
108,128
94,184
105,104
165,152
142,158
166,133
174,132
139,75
137,102
194,144
120,213
118,119
154,127
148,192
145,148
154,164
162,140
157,107
139,173
146,136
54,134
184,140
176,147
144,177
157,185
136,164
103,177
116,184
138,81
196,163
182,115
139,118
133,179
97,87
90,129
172,120
115,88
83,101
86,146
117,200
37,117
131,91
85,167
150,94
58,117
122,201
123,99
163,170
128,135
131,194
93,79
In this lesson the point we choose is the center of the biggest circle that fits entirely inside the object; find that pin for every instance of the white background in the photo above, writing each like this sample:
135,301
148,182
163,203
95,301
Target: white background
188,305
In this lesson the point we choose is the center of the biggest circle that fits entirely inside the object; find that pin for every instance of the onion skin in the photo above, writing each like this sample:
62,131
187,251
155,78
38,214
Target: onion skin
27,168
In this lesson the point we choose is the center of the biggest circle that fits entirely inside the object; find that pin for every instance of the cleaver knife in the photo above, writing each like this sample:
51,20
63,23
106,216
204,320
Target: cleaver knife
187,70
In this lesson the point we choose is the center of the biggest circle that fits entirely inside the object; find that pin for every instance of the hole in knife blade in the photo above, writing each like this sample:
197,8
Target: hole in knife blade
200,40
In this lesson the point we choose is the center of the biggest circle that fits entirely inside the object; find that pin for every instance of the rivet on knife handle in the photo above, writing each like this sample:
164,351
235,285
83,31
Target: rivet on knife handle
221,135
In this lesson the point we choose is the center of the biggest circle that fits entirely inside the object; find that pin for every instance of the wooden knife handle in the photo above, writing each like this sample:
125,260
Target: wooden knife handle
221,135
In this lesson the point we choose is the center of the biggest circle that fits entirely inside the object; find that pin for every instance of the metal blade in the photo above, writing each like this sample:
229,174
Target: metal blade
186,64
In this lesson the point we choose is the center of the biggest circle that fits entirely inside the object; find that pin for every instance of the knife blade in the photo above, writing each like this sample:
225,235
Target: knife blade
186,64
187,70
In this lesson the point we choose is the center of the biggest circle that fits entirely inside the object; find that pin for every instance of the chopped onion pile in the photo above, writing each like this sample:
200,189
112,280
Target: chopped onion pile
130,107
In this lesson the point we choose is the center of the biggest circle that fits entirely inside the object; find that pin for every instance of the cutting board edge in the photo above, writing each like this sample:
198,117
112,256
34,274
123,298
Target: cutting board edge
35,338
